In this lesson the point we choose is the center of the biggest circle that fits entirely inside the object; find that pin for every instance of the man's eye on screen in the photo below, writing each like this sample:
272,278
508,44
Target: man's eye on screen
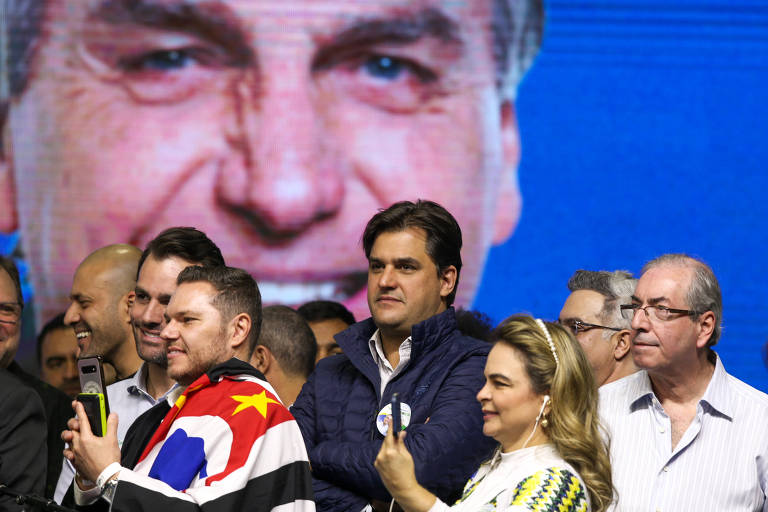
172,75
392,69
159,60
386,82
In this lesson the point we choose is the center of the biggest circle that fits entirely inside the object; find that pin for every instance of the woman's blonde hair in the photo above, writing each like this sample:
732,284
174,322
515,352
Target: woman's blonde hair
573,425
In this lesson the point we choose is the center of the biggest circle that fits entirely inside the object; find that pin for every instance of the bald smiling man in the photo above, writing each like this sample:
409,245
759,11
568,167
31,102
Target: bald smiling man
99,312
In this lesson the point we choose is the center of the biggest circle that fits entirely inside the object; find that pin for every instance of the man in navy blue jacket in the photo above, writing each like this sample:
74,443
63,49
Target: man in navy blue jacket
410,346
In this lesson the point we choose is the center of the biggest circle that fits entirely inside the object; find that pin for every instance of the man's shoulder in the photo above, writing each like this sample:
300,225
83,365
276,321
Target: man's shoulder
615,397
57,404
15,390
756,401
469,345
240,392
622,385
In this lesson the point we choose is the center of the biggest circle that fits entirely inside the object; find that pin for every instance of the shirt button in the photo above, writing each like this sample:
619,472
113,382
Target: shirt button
666,469
661,430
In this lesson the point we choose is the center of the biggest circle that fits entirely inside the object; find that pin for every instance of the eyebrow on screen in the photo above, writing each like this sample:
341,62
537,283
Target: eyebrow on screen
211,21
399,29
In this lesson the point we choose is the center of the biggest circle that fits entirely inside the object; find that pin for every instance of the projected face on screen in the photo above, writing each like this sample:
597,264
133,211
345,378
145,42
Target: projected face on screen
277,127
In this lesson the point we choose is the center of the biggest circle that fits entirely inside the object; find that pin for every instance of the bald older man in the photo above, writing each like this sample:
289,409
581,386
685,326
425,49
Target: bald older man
99,311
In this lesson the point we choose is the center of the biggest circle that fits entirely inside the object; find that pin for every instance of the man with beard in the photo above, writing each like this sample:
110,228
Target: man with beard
164,257
223,442
99,311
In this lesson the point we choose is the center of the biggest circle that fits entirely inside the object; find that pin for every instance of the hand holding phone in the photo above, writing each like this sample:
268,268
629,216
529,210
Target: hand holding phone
396,419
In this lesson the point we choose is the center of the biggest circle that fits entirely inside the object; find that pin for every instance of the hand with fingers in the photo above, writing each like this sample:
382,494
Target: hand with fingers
395,466
90,454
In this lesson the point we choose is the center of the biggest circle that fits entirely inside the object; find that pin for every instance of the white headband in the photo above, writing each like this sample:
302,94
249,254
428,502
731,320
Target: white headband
549,339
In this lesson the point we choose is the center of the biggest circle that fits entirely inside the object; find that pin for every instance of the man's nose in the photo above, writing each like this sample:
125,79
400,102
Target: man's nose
153,314
72,315
71,368
640,320
287,174
169,332
387,278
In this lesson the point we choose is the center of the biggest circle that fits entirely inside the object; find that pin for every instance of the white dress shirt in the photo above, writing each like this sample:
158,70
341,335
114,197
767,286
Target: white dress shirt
720,464
386,372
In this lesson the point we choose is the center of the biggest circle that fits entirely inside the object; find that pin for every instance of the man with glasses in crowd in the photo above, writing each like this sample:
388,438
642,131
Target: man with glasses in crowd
685,435
592,314
56,404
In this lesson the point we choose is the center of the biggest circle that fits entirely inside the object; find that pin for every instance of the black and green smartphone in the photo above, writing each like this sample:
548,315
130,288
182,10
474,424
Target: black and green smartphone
94,393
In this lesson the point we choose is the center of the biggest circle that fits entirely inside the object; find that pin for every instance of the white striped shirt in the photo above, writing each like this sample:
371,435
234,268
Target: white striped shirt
720,464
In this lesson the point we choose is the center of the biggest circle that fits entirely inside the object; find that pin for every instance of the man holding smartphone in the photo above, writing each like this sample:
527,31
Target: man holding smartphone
164,257
411,346
227,441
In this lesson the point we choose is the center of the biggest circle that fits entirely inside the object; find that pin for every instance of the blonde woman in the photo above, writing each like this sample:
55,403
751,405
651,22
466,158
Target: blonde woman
539,402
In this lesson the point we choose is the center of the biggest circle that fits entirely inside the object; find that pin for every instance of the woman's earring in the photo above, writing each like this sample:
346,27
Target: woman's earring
544,422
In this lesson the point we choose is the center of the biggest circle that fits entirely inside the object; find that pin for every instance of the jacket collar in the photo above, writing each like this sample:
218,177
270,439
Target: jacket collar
424,337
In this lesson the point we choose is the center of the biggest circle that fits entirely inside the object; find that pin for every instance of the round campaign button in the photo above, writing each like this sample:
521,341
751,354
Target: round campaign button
386,412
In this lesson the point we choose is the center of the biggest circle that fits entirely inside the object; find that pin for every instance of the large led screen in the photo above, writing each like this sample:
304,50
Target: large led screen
279,128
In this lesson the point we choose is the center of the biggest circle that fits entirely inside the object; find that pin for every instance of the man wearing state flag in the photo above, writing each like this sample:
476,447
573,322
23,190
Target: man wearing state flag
227,443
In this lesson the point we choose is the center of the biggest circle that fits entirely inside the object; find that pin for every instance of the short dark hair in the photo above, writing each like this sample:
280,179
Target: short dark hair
287,335
186,243
53,324
616,288
474,324
237,293
319,310
7,264
443,233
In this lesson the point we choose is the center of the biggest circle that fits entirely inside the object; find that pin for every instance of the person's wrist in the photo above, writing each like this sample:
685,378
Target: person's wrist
108,474
83,483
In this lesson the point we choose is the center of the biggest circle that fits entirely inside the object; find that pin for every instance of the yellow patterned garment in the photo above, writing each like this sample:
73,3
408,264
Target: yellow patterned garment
534,479
551,490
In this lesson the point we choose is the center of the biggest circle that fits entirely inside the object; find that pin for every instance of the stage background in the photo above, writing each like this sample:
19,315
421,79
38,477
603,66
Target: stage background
643,131
643,127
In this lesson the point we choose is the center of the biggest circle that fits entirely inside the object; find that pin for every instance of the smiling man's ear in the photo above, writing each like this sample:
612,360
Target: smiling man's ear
240,328
9,220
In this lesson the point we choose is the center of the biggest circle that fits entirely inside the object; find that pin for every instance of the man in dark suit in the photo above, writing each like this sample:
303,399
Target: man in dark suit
22,440
58,408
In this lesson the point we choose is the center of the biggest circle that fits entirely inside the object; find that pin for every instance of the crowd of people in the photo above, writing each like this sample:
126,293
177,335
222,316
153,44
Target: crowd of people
221,404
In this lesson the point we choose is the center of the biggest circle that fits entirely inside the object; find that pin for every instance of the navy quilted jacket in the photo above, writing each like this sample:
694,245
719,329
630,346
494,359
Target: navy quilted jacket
338,405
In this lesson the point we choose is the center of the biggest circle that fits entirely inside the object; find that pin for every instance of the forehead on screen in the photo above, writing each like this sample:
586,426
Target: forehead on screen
440,17
233,22
511,28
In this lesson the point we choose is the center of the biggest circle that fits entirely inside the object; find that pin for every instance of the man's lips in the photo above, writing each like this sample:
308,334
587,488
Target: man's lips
643,343
83,336
174,351
298,292
388,298
150,336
